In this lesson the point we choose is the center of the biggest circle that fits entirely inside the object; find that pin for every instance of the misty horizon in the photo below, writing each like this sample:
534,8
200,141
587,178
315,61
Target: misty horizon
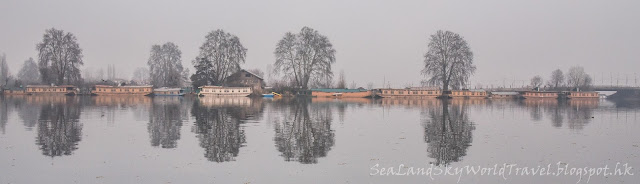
373,40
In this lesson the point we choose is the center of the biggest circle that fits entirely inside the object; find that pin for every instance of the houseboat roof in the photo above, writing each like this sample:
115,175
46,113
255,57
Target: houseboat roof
339,90
45,86
424,88
504,93
109,86
221,87
167,89
538,91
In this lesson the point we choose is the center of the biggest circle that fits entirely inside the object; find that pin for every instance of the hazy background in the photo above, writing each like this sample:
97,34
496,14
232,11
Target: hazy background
374,39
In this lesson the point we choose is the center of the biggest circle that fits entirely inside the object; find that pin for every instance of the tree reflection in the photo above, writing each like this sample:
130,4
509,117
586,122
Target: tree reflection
59,129
576,112
448,133
304,133
4,113
218,131
164,124
580,112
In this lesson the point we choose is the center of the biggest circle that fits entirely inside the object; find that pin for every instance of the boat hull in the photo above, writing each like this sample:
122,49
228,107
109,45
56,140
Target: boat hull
361,94
225,94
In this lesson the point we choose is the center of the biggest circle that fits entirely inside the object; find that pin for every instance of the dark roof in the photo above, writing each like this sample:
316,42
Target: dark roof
252,74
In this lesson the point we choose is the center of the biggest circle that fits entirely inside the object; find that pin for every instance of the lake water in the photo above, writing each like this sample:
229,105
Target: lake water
137,139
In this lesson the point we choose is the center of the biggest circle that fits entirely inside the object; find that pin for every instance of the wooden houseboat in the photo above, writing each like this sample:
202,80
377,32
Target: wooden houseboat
14,91
51,90
121,90
164,91
341,93
468,94
503,95
422,92
538,94
580,94
224,91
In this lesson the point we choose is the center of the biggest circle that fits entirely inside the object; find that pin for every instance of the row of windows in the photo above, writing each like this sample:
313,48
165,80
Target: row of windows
409,92
47,89
584,94
470,93
542,94
125,90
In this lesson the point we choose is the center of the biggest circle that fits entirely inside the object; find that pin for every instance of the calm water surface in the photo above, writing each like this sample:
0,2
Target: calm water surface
110,139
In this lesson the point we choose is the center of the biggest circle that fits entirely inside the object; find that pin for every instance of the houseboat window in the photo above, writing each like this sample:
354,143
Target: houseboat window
415,92
392,92
429,92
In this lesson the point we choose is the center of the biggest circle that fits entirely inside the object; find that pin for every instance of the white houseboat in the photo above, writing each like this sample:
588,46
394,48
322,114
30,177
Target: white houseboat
224,91
164,91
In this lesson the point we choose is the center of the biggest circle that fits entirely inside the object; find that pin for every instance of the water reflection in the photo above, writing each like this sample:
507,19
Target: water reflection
4,113
577,112
59,129
448,132
218,125
303,131
165,120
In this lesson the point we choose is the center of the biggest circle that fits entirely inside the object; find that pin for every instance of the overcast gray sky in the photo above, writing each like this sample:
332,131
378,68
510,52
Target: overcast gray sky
373,39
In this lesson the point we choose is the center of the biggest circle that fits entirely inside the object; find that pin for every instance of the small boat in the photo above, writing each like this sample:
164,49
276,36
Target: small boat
271,95
267,95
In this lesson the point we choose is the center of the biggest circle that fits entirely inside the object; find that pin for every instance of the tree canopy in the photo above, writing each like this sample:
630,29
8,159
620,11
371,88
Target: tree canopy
29,72
448,61
59,57
220,56
306,56
165,65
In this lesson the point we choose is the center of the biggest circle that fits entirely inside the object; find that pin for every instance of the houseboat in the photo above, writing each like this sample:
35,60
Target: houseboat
538,94
468,94
51,90
14,91
341,93
422,92
580,94
224,91
121,90
164,91
503,95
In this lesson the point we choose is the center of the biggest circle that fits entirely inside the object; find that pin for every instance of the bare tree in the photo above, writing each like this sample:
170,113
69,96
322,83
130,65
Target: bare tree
342,81
29,72
4,70
536,81
111,72
100,74
353,85
449,61
303,57
141,75
59,57
557,78
220,56
577,78
165,65
370,86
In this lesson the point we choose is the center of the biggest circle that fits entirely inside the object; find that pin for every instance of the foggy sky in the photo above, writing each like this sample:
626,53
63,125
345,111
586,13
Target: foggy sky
374,39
